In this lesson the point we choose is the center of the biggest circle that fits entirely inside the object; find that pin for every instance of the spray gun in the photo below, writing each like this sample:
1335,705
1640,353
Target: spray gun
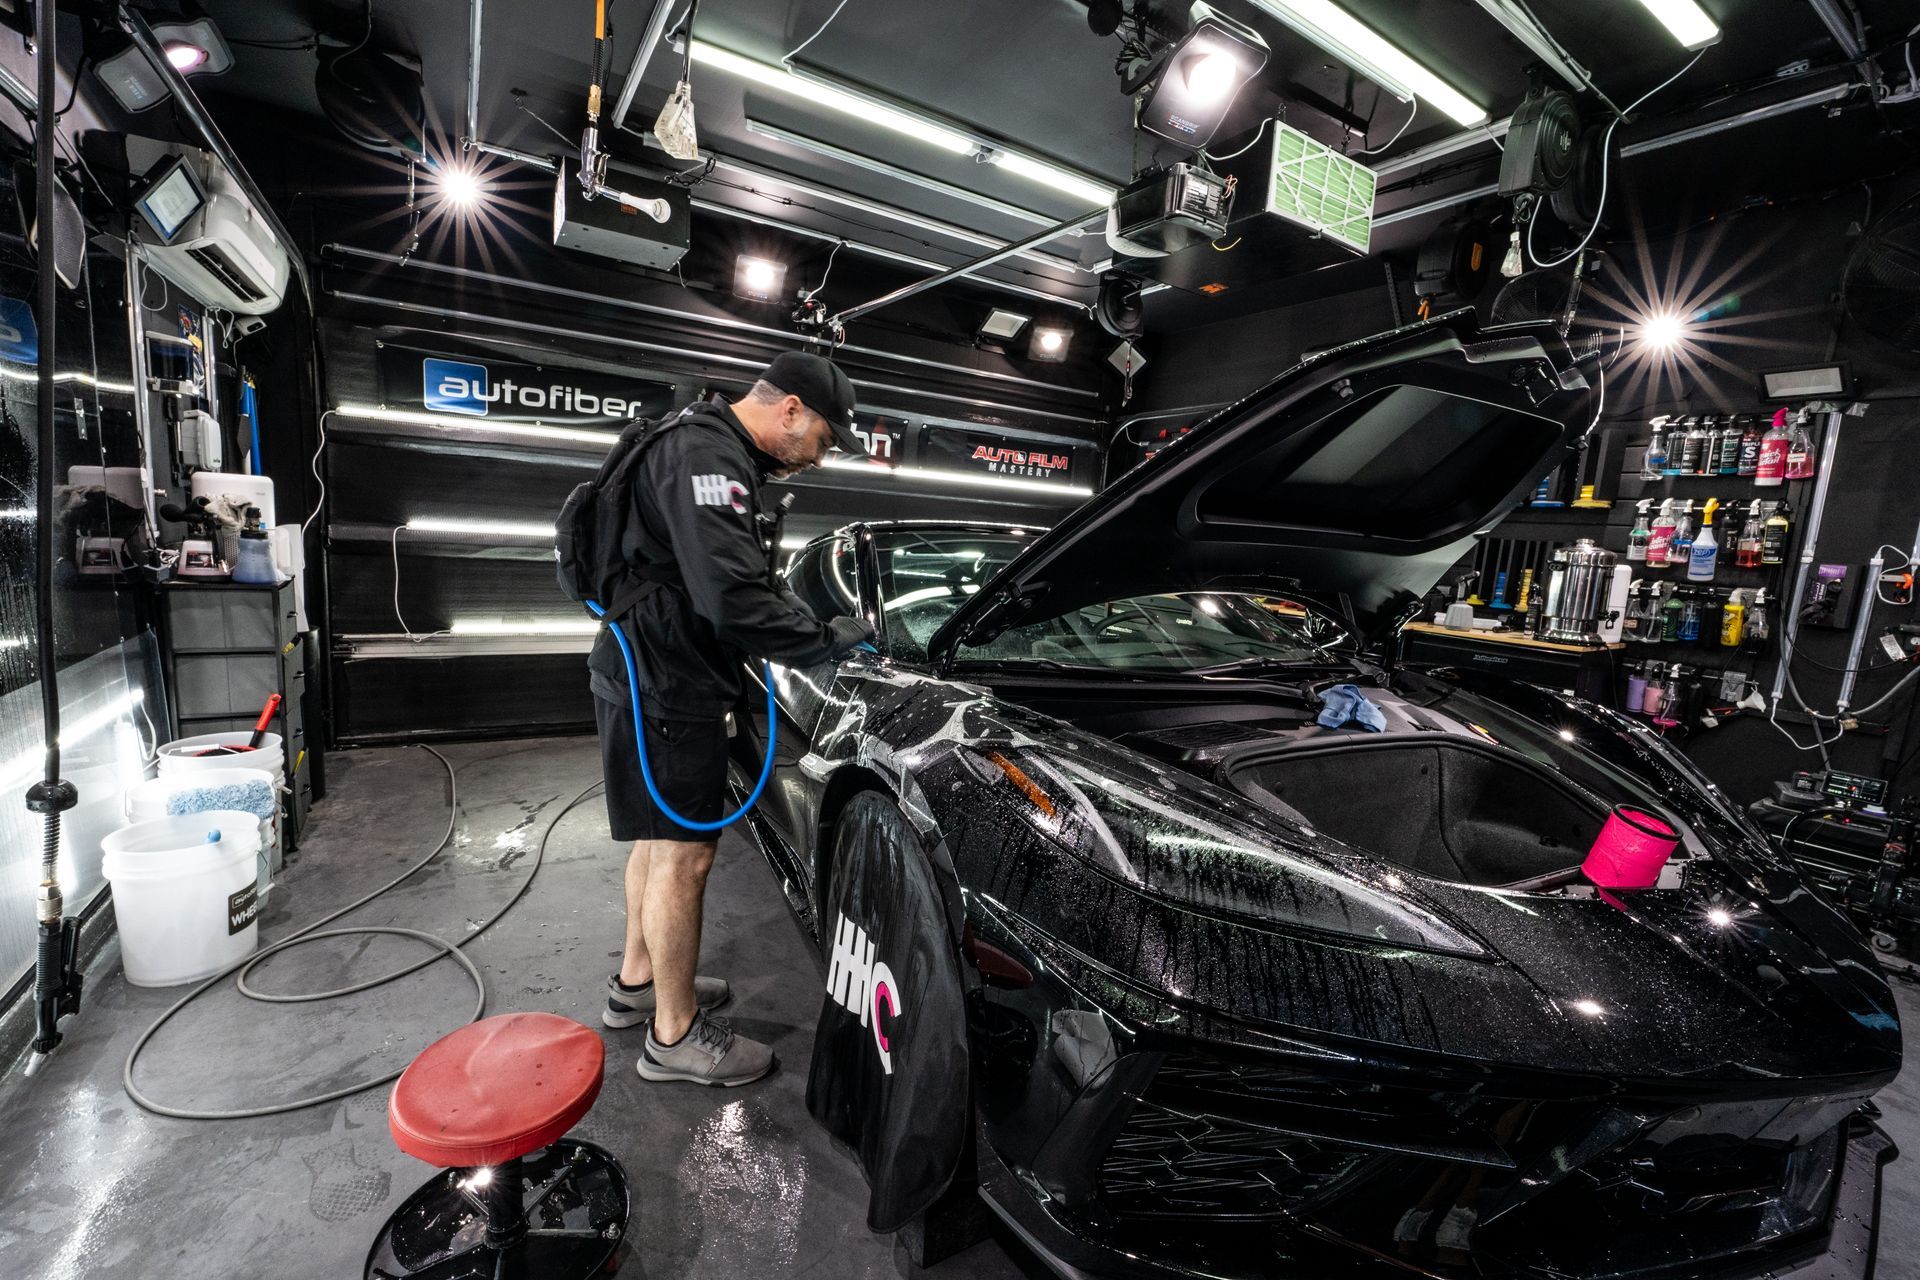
593,160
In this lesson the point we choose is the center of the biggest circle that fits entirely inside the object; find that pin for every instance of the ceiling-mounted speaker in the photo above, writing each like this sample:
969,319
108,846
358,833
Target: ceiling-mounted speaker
1542,143
1456,259
376,100
1119,306
1103,16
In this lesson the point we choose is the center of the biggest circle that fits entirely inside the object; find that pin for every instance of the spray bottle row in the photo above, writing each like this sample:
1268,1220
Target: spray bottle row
1732,445
1668,539
1665,613
1678,694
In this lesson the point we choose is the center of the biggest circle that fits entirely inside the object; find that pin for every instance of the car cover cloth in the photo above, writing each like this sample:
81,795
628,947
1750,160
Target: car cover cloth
697,507
1345,704
890,1075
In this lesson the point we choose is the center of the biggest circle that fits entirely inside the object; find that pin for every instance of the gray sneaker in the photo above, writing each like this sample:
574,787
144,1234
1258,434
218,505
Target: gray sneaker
711,1052
631,1006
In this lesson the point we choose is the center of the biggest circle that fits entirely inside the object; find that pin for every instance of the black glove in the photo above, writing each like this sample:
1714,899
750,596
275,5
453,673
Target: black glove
849,634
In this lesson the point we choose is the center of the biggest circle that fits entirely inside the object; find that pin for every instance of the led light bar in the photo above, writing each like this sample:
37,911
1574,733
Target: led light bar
959,477
782,80
480,528
543,627
532,430
816,89
1687,21
1368,52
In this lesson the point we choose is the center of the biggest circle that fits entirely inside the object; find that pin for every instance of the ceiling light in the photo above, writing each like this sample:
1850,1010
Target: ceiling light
1687,21
480,528
1049,344
534,430
758,279
932,475
784,81
1366,51
192,48
459,185
1663,332
1200,79
814,89
1001,324
1052,176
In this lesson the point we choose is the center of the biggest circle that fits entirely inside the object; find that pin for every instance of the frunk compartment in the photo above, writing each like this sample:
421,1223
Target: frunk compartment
1451,808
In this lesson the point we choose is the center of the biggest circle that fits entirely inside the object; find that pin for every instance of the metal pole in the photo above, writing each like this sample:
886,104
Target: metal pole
196,112
968,268
1790,608
656,27
473,73
1515,18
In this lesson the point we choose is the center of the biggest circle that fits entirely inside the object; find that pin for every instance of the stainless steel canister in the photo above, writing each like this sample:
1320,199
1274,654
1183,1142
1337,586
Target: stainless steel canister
1576,603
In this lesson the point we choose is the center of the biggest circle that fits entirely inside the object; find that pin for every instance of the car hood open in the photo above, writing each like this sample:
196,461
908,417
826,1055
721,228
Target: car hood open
1363,473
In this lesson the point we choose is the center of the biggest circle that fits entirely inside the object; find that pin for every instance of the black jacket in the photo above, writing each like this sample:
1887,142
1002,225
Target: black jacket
696,499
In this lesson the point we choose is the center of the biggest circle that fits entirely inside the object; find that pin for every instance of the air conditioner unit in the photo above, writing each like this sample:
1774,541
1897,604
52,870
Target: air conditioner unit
224,254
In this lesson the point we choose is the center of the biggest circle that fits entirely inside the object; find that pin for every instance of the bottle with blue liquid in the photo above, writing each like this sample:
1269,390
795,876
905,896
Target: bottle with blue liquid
254,561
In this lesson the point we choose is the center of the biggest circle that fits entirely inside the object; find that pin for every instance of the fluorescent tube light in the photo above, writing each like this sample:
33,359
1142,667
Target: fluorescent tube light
815,89
793,542
935,476
532,430
544,627
782,80
1687,21
1366,51
480,528
1048,175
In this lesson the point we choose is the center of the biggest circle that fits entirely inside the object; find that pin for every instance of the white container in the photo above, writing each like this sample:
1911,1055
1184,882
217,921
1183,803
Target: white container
186,906
148,800
182,756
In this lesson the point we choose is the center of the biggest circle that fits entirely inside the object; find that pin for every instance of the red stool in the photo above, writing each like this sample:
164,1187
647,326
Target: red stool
489,1104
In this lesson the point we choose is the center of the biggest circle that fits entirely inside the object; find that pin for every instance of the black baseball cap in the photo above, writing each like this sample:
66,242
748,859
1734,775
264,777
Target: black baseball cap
823,388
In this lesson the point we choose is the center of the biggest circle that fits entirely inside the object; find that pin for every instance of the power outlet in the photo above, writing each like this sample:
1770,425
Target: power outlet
1832,597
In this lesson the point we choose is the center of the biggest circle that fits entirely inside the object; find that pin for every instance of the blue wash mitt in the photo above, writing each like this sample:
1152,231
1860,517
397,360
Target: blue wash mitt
255,798
1344,702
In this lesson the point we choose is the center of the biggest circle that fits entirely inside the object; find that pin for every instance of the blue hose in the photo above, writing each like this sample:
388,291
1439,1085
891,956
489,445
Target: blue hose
640,736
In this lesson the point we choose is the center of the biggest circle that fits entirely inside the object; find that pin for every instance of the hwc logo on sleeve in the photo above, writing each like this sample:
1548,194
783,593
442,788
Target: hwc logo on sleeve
860,984
719,491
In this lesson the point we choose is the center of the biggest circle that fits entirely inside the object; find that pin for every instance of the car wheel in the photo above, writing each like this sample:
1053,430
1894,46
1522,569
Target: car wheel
890,1071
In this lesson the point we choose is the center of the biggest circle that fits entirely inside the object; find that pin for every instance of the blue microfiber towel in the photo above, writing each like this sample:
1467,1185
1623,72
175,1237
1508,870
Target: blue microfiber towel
1344,702
255,798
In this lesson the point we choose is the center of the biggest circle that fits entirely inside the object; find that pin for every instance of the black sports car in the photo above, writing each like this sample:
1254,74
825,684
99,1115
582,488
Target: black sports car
1197,985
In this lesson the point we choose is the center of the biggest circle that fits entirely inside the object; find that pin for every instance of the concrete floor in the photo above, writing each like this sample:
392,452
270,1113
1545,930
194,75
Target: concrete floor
726,1184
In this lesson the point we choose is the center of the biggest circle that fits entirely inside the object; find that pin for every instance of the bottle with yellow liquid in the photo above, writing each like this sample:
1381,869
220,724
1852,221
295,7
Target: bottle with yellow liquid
1733,619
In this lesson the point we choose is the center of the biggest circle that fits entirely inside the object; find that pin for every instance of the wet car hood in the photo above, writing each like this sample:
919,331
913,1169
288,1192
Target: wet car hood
1363,472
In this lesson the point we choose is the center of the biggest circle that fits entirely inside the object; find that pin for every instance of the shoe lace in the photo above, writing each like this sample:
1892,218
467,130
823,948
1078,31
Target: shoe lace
713,1034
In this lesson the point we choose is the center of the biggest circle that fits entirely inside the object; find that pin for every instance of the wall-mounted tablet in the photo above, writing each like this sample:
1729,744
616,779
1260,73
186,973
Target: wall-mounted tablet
171,198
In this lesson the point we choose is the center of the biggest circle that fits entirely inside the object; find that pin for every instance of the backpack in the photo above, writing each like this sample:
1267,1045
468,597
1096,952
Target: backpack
592,521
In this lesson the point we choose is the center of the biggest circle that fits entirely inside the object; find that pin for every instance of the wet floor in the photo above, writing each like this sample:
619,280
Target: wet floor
739,1184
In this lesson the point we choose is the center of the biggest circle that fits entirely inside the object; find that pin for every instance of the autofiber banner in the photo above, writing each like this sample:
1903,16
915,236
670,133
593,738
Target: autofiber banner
509,391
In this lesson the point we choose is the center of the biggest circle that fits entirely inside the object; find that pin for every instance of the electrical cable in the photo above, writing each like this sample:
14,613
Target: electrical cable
393,544
1397,136
640,736
826,272
795,52
1606,170
320,500
1257,135
313,933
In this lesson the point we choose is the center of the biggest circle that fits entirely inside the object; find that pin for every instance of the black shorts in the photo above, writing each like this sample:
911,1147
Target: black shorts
688,759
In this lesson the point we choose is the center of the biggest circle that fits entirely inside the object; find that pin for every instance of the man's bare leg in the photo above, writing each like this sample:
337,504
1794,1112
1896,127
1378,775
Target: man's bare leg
636,966
671,912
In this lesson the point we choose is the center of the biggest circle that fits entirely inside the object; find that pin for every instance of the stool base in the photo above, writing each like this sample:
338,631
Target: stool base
574,1205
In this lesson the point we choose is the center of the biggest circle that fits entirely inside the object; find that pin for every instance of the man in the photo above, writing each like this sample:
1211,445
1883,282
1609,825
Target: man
696,526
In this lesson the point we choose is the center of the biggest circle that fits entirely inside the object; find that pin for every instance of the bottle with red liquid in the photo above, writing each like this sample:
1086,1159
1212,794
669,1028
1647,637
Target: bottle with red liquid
1660,537
1772,470
1800,454
1746,553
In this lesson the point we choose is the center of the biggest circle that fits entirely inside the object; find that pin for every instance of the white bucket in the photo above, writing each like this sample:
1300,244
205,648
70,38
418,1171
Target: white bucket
148,800
186,907
182,756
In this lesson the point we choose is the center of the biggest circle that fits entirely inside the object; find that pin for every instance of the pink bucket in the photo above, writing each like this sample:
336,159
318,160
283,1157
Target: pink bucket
1630,850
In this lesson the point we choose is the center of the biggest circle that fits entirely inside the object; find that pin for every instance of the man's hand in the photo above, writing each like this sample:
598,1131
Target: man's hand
849,634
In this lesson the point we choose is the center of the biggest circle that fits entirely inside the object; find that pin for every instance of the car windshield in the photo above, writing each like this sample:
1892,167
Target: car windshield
925,577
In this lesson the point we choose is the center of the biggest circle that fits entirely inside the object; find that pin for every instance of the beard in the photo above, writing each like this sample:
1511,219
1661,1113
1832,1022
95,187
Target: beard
795,449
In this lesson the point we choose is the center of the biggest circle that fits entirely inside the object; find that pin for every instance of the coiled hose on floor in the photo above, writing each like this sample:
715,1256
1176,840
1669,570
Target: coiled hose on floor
316,931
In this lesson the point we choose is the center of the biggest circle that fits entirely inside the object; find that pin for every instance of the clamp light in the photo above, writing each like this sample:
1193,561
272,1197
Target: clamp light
1201,77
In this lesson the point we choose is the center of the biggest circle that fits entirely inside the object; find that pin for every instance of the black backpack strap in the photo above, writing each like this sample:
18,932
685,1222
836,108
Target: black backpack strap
642,581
